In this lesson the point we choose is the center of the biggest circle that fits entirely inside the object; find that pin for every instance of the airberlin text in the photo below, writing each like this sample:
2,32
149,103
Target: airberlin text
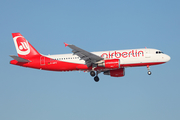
115,54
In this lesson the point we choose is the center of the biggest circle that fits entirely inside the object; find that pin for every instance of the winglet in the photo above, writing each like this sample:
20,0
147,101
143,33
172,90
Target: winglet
66,44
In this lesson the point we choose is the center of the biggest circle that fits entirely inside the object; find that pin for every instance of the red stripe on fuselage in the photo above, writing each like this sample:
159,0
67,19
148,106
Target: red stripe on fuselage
56,65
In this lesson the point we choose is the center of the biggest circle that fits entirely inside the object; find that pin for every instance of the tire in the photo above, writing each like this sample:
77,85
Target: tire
96,79
92,73
149,72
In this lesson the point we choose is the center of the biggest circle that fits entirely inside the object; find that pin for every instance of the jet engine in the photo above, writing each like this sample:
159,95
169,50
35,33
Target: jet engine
115,73
110,64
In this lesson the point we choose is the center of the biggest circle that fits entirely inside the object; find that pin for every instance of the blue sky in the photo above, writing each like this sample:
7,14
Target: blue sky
94,26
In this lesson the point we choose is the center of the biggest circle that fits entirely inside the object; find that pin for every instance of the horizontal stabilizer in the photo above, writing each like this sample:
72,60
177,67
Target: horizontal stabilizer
19,59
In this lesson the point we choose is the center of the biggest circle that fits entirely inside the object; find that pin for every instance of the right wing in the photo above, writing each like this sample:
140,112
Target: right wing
88,57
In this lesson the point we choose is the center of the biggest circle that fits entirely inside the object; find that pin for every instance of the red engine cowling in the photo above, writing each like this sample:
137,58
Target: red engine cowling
110,64
116,73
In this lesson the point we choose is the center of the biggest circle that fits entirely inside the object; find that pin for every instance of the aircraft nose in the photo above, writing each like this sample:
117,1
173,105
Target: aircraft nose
168,58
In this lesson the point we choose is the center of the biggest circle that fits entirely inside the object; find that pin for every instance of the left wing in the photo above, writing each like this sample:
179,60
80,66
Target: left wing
88,57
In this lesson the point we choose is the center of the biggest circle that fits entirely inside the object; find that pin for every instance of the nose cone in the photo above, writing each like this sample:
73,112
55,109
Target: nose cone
167,58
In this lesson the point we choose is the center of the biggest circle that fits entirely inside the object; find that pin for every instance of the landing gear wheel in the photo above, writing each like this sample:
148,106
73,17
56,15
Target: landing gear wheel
149,72
92,73
148,68
96,79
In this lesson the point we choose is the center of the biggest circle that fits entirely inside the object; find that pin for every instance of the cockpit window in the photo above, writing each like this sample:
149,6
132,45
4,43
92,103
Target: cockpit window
159,52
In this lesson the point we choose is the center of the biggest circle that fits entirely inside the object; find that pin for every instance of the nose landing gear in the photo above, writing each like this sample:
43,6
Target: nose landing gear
149,72
148,68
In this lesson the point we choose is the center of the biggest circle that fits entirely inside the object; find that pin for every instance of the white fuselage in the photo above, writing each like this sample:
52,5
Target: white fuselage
130,56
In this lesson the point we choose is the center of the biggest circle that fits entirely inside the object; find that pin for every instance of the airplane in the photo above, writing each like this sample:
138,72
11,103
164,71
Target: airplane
111,63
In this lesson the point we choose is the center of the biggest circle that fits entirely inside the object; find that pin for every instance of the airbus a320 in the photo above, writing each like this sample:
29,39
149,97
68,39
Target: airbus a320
111,63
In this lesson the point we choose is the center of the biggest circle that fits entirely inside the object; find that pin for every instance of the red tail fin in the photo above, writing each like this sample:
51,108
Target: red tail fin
23,47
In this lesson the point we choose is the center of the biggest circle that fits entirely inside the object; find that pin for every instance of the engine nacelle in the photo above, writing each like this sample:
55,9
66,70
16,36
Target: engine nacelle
115,73
110,64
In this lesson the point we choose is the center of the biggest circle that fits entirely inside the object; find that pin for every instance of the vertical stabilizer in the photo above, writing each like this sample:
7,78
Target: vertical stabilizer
23,47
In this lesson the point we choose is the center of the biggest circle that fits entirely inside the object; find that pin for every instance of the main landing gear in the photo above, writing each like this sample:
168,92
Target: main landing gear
148,68
92,73
96,78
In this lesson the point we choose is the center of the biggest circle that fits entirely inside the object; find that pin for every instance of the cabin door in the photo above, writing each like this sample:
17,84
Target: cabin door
42,60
